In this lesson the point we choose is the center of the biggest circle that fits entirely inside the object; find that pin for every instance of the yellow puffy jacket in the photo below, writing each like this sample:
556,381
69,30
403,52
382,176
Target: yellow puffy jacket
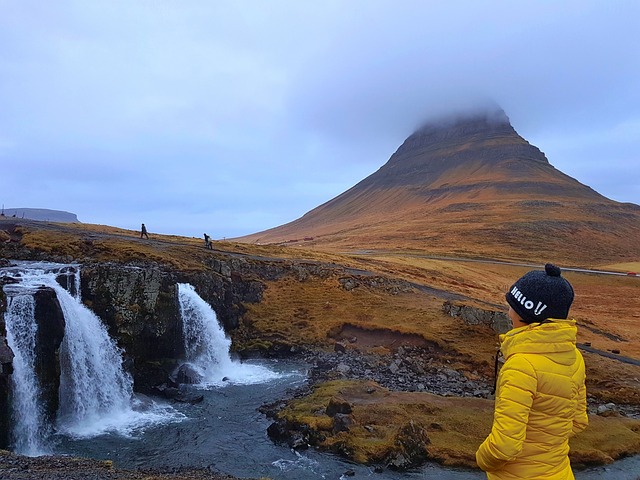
540,403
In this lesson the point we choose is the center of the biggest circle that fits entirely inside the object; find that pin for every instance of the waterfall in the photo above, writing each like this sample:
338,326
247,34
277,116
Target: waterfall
96,393
29,434
205,343
207,347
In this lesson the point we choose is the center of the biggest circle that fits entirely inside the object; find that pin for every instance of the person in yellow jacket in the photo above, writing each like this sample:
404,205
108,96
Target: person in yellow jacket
540,397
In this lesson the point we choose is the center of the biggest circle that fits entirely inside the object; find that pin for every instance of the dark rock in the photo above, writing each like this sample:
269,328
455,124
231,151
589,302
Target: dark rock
295,437
341,422
298,441
187,374
410,441
166,391
338,405
51,324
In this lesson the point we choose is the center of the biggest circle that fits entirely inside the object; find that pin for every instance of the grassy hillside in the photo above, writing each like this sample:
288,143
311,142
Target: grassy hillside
380,300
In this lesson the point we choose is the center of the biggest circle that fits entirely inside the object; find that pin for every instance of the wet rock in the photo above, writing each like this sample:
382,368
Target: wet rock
166,391
281,431
187,374
51,325
298,441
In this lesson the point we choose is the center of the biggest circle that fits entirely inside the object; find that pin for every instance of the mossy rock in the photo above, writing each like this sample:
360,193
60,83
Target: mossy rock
447,430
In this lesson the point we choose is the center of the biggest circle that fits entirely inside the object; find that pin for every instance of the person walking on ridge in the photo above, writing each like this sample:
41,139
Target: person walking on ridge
541,396
207,242
143,232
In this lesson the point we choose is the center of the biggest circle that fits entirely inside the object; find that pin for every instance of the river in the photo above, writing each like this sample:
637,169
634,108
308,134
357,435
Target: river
227,433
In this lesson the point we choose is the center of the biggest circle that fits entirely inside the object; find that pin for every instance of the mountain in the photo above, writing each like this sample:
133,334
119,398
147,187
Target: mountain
41,214
471,186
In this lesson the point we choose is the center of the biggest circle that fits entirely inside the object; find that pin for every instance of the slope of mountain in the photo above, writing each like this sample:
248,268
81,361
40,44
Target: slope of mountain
42,214
471,186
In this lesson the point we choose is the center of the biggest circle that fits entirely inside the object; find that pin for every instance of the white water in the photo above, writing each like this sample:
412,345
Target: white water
96,393
207,347
28,434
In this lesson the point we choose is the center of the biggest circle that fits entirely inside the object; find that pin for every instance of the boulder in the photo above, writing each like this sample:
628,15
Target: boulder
338,405
188,374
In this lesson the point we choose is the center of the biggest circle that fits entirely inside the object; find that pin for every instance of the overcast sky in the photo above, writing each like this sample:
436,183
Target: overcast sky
231,117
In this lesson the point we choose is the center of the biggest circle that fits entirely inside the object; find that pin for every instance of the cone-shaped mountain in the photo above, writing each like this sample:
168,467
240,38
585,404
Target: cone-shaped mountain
472,186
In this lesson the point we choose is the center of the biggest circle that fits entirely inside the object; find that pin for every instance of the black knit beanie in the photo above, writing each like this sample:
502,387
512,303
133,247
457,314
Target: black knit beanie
538,295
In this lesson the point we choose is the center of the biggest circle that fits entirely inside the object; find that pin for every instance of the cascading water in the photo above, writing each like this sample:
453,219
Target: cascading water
95,391
30,430
207,347
96,394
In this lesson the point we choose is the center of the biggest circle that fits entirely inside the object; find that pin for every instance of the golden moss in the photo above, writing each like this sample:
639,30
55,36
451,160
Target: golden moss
455,426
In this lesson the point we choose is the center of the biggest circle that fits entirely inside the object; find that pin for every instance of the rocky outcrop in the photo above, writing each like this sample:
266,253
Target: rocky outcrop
50,321
140,308
498,321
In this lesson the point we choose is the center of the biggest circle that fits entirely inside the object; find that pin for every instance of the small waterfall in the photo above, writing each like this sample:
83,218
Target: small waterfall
76,282
30,431
207,346
205,343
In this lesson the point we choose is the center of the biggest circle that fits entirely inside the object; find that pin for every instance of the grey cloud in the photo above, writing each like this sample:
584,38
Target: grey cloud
244,115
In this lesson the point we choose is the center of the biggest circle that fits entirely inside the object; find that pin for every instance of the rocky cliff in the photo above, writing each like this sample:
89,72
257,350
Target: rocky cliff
140,306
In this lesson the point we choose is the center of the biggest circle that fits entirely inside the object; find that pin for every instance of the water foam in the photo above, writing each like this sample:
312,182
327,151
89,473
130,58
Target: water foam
207,346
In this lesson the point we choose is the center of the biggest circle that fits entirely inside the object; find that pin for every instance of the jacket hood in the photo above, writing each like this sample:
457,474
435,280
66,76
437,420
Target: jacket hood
556,337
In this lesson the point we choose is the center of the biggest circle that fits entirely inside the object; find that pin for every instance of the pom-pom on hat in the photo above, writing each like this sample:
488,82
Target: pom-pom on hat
539,295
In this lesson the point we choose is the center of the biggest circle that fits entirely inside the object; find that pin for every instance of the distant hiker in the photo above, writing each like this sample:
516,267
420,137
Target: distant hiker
6,357
207,242
541,397
143,231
